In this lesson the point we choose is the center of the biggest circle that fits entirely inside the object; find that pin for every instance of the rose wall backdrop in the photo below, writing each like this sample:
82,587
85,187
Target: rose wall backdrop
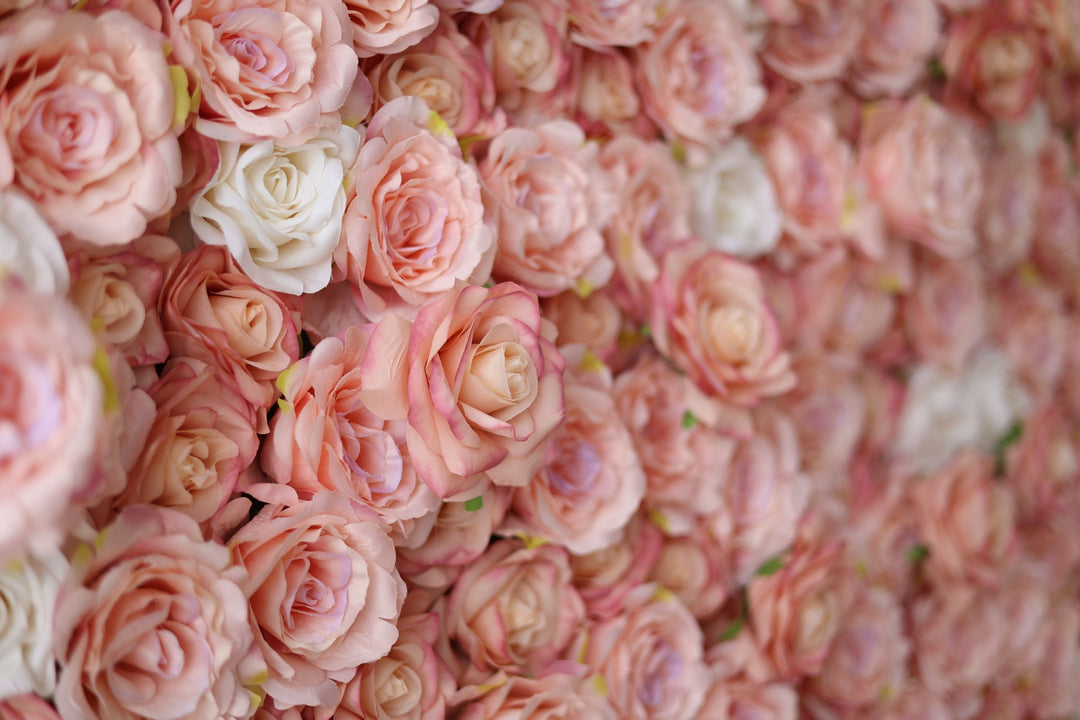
513,359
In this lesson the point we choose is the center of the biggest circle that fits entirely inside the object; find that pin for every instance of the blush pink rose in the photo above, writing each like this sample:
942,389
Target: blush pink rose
741,685
694,567
718,83
924,166
710,317
514,608
945,314
551,697
593,322
606,102
651,656
52,406
105,81
414,223
817,41
410,683
152,623
1054,251
1055,690
613,22
546,202
899,37
479,381
1030,327
26,707
604,578
325,595
266,69
323,438
1042,466
389,27
212,311
1010,208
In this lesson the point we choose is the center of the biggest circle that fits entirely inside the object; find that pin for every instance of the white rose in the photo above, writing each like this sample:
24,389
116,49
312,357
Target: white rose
29,248
28,591
735,208
279,209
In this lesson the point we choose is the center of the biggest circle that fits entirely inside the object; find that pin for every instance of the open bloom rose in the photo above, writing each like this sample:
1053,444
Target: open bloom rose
816,42
279,209
622,22
711,318
186,647
945,314
741,684
413,225
605,577
50,415
389,27
325,595
479,381
28,589
267,69
104,79
899,36
514,608
29,249
550,697
651,656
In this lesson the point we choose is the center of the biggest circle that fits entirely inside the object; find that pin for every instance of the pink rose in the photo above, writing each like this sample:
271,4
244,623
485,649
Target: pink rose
1055,691
212,311
899,37
606,101
1055,251
741,685
414,223
514,608
1041,467
1009,208
1030,327
694,567
551,697
390,27
945,314
817,41
604,578
479,381
711,318
106,81
593,322
410,683
325,595
924,166
26,707
592,482
153,623
53,405
267,69
613,22
884,535
719,82
651,657
546,202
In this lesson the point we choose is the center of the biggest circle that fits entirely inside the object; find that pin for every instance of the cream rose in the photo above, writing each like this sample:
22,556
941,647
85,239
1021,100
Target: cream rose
29,249
28,590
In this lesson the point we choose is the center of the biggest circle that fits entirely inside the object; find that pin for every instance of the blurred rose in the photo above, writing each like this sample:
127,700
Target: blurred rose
389,27
26,707
695,568
593,322
1055,251
606,100
741,685
51,412
884,535
711,318
898,40
152,623
479,381
267,70
28,589
325,595
1031,329
105,81
414,222
817,41
614,22
1009,209
945,313
1043,465
278,209
551,697
605,577
29,249
1055,680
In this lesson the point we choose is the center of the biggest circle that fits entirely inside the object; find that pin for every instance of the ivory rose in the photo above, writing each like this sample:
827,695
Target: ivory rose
105,79
389,27
279,209
28,590
29,249
413,225
479,381
711,318
52,408
325,595
152,623
266,69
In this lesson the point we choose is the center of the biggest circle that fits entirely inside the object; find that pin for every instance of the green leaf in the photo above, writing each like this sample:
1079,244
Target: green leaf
918,553
689,420
645,331
1010,438
771,566
475,503
937,70
733,629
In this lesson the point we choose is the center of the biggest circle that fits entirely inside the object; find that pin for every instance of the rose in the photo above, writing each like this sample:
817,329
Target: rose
266,69
593,322
1030,328
816,42
735,206
606,101
28,591
551,697
945,314
388,28
1009,208
514,608
622,22
741,684
26,707
897,42
604,578
50,413
651,656
324,438
711,318
1042,463
695,568
479,381
325,595
703,102
279,209
546,203
29,249
1054,690
413,225
1057,216
185,648
212,311
106,81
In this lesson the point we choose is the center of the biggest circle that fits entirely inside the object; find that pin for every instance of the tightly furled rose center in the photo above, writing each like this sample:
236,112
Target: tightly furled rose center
399,689
734,333
501,378
317,597
262,60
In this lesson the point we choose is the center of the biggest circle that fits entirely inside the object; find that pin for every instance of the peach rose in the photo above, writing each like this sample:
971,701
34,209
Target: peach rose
414,224
718,83
1009,208
325,595
26,707
741,685
551,697
267,69
479,381
410,683
324,438
514,609
651,657
212,311
606,101
694,567
604,578
614,22
1042,466
390,27
945,313
546,202
1031,329
1054,250
152,623
105,80
593,322
899,37
924,166
711,318
29,249
817,41
52,408
1055,680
